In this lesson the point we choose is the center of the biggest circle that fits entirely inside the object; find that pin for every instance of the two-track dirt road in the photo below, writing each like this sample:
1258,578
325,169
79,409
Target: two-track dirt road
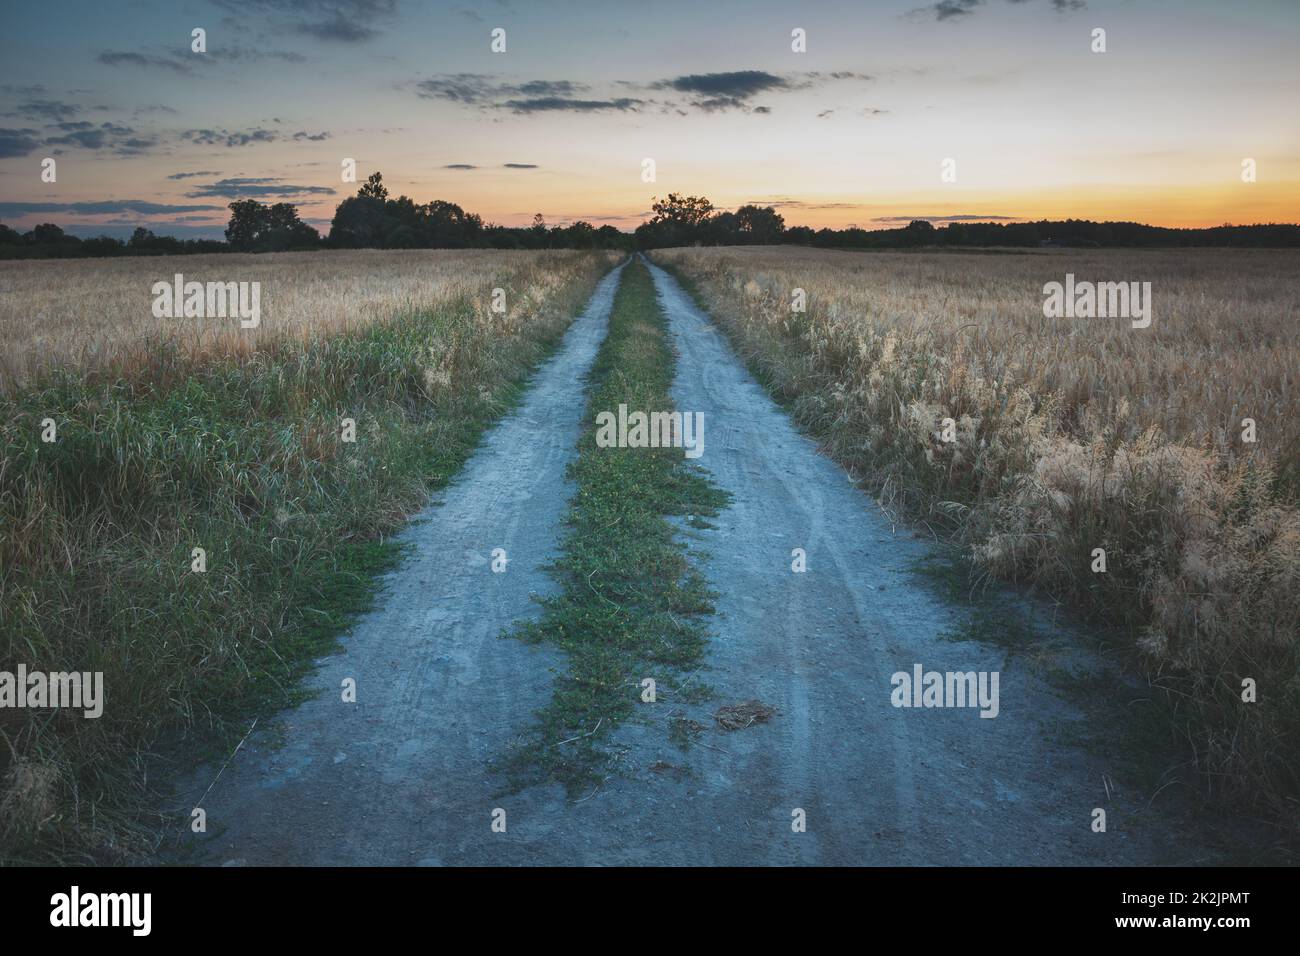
401,777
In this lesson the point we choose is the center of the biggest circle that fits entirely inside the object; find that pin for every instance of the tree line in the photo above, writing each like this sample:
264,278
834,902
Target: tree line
373,220
693,220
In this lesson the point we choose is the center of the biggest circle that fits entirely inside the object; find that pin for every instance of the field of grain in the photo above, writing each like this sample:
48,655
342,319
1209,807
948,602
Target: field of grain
286,454
1071,435
93,313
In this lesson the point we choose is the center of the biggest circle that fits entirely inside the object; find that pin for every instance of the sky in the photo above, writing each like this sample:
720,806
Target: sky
853,130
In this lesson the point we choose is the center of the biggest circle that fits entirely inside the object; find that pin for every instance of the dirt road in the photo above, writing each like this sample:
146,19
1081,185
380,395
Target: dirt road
400,777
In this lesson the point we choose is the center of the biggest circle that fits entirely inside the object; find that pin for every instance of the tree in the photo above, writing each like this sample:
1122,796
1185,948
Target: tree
374,188
245,223
760,224
720,229
255,227
688,211
919,232
46,233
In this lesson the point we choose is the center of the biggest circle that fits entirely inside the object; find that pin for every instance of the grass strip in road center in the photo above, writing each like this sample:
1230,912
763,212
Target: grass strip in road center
632,603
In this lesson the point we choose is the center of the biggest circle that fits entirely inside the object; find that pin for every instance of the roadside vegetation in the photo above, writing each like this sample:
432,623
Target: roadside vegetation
1072,435
167,442
632,605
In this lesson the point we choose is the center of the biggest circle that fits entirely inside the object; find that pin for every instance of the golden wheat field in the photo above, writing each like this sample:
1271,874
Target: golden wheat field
86,312
1224,343
1065,436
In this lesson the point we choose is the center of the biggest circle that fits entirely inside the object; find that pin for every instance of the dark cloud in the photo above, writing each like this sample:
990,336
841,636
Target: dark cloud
456,87
109,207
740,84
313,137
257,188
545,88
547,104
123,140
337,21
710,92
521,166
956,9
18,142
212,137
724,91
734,91
478,88
223,137
459,166
135,146
46,111
118,58
201,172
948,9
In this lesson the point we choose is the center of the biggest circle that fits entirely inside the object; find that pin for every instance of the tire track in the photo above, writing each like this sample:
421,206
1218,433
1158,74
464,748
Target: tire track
400,777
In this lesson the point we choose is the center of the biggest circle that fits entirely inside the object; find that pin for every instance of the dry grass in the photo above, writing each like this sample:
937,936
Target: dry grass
93,313
739,716
1071,435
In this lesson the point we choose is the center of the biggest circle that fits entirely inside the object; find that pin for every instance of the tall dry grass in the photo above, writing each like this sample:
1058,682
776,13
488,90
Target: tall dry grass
1073,435
171,437
97,313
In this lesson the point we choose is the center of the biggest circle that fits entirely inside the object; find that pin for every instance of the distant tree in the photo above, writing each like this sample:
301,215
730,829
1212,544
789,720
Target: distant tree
761,224
358,223
919,232
687,211
9,237
444,225
374,188
720,229
47,233
255,227
246,222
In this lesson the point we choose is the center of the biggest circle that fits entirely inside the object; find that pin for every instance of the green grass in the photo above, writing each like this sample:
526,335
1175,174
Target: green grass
632,604
244,458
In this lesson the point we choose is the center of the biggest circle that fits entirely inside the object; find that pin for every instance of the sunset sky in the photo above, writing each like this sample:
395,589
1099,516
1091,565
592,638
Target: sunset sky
854,130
